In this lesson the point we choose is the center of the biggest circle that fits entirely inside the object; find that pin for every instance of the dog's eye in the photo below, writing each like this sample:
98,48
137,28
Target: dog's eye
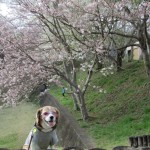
54,113
45,114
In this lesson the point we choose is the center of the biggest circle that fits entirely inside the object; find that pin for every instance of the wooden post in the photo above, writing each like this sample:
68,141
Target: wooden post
148,140
135,145
145,141
131,141
140,141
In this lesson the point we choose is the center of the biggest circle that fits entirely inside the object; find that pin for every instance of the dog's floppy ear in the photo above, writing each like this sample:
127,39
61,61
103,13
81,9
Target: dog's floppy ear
38,117
58,113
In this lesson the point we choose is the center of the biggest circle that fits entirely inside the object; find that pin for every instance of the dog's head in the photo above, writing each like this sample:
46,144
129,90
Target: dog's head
47,118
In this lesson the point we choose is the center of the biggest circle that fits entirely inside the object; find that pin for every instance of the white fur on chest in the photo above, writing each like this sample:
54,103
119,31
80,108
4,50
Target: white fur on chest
42,140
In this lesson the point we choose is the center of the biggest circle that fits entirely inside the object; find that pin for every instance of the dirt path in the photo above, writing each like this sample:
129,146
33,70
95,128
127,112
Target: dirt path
69,132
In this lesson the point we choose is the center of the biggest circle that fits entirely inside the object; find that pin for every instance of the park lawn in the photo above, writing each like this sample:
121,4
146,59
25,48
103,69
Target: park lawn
15,124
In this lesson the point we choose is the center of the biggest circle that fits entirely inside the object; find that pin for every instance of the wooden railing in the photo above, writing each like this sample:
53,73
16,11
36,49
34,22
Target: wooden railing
139,141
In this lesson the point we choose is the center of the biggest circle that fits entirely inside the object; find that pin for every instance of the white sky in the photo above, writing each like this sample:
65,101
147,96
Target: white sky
4,10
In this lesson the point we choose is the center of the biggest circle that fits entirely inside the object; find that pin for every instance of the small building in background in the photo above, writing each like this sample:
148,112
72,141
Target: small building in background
133,53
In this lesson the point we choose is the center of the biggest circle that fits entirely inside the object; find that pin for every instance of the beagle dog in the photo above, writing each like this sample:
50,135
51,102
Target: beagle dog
43,134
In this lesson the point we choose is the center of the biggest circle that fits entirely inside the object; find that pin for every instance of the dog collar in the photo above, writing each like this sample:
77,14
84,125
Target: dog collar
34,130
36,127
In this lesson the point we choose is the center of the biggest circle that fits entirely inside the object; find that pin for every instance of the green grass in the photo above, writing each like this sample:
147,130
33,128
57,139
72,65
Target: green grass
122,112
15,125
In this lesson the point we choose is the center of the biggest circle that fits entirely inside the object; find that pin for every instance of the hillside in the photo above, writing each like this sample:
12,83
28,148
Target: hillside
122,112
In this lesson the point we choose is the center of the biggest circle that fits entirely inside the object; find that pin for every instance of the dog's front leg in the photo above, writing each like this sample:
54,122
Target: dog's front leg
28,141
51,147
25,147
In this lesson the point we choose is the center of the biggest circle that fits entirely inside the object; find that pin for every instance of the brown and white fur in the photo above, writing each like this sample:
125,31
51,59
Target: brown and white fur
45,125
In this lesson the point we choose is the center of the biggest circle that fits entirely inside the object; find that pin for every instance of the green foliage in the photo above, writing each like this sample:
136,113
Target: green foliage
137,2
147,110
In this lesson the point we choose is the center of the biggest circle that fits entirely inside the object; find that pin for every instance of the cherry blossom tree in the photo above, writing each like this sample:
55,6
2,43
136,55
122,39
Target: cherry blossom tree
122,19
44,45
53,35
17,70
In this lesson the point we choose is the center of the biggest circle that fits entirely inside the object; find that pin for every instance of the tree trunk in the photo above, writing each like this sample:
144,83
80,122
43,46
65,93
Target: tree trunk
144,40
119,62
75,99
146,57
83,108
145,46
67,71
74,80
98,63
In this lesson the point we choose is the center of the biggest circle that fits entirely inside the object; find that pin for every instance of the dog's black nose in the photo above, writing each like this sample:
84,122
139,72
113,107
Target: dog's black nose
51,117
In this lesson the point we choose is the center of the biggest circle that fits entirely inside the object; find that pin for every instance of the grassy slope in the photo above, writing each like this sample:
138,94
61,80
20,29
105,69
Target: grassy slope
122,112
15,124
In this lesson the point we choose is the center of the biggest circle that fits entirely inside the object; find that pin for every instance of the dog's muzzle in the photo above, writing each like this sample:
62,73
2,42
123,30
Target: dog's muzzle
50,119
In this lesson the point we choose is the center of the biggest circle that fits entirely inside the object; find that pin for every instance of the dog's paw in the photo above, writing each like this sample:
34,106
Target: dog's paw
25,147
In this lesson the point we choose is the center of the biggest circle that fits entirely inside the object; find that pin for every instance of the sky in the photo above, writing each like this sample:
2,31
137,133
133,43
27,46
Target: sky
4,10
